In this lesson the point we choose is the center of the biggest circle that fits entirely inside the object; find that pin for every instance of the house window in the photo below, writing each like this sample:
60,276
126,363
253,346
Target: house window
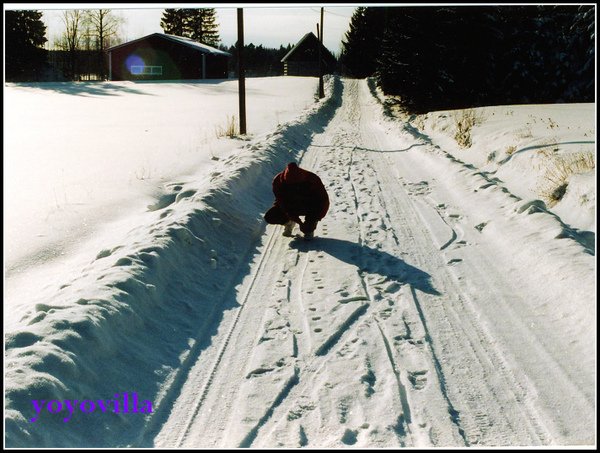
146,70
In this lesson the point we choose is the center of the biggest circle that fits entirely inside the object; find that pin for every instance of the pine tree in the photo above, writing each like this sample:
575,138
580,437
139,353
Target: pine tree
581,48
173,22
567,53
363,40
404,65
25,36
199,24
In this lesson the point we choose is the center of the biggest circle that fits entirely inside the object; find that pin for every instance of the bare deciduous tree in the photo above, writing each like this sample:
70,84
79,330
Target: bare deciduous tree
70,40
87,34
104,28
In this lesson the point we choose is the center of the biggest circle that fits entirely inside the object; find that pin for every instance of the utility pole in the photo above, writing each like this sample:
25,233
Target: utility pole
241,71
320,33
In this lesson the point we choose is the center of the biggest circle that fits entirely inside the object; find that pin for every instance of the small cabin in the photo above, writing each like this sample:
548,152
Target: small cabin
166,57
303,58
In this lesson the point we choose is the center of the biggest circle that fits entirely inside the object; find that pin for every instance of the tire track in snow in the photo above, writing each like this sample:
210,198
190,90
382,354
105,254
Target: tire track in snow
307,343
160,413
454,416
390,206
198,403
336,343
406,418
291,382
218,418
306,339
337,335
456,332
318,359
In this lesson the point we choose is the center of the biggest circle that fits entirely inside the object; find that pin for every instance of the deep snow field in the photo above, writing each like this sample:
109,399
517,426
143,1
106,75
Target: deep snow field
133,239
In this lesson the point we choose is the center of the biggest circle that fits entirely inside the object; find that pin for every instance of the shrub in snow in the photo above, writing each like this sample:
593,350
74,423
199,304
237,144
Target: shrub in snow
464,121
558,171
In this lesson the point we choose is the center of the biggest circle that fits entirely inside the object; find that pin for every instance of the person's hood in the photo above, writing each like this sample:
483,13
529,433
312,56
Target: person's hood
294,174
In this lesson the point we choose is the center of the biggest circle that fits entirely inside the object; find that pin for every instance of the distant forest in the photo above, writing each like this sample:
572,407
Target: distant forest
259,61
445,57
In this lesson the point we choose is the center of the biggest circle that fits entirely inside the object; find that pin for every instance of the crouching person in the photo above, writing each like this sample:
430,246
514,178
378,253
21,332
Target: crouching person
298,192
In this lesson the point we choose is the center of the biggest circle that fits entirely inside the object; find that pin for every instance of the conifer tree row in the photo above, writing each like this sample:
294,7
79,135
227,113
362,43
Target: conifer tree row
443,57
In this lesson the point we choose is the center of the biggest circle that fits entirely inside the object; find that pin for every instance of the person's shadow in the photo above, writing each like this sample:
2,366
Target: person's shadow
370,260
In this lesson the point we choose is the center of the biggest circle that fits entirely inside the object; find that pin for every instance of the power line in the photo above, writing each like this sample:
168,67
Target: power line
333,14
339,15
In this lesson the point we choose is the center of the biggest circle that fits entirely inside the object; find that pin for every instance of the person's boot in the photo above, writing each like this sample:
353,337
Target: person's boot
288,228
308,228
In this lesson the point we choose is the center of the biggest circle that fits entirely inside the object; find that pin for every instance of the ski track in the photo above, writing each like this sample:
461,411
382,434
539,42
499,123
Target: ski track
372,335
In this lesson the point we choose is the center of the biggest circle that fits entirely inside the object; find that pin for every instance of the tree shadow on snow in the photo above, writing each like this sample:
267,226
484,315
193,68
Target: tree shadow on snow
93,88
369,260
548,145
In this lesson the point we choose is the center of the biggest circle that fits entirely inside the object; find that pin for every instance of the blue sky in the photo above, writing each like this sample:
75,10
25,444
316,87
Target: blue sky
268,24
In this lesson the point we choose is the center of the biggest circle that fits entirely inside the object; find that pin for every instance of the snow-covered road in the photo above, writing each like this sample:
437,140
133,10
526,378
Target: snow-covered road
418,317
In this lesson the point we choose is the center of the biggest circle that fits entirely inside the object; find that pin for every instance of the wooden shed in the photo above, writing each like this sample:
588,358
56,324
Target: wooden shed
166,57
303,59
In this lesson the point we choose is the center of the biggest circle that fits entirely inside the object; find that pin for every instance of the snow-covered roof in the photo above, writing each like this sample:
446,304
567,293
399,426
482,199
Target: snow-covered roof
178,39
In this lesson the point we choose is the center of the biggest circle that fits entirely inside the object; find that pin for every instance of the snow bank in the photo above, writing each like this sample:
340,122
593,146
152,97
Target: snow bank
519,146
527,149
127,324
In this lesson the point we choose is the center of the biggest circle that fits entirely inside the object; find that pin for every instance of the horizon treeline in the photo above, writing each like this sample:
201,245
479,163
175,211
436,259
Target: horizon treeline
259,61
28,61
446,57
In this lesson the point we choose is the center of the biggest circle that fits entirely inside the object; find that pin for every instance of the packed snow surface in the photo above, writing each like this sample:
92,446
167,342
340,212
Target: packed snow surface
448,299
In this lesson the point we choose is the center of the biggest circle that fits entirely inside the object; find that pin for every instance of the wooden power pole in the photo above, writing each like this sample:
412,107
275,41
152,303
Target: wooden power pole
241,71
320,33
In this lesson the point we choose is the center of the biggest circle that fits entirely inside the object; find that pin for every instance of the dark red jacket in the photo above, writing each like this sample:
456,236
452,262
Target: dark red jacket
300,192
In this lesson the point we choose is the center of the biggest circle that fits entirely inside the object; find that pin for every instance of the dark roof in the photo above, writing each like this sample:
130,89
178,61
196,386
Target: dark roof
295,48
180,40
307,40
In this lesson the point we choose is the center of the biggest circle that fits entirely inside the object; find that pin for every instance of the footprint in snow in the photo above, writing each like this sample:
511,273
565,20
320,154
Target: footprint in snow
349,437
418,379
